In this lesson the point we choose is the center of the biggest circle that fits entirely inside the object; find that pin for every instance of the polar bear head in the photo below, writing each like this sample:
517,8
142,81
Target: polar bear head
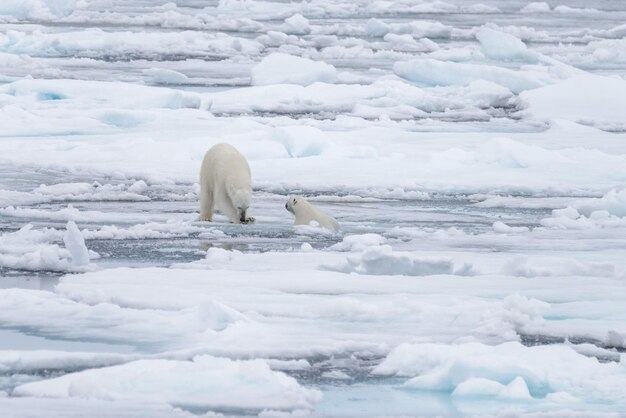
292,201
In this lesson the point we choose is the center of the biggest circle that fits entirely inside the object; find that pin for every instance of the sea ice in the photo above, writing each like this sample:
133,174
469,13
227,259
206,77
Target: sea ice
35,250
382,260
503,46
536,7
503,228
527,372
474,154
75,243
441,73
297,24
281,68
587,99
359,242
205,382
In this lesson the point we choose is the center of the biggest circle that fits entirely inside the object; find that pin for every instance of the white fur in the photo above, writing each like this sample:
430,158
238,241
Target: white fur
306,213
225,183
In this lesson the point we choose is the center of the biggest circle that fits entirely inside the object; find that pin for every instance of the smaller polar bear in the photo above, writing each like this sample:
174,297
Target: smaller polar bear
306,213
225,183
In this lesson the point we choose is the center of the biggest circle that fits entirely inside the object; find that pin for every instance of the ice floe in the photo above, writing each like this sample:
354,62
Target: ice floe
205,382
473,153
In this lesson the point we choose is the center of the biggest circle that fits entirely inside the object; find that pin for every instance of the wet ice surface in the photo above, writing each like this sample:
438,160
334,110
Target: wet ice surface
273,232
472,153
345,378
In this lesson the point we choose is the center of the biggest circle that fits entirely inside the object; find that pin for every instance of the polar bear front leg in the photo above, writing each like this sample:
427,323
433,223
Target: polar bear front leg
246,219
206,203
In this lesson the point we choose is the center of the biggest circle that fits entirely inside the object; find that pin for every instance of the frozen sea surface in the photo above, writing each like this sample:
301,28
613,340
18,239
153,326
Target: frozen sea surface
473,153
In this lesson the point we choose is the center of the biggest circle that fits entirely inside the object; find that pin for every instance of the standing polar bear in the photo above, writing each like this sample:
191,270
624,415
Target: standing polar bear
306,213
225,183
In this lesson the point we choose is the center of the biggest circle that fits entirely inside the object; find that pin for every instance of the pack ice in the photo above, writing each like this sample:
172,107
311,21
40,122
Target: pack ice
474,155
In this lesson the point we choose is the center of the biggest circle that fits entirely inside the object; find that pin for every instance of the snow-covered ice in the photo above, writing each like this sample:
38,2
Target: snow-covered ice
474,155
281,68
200,383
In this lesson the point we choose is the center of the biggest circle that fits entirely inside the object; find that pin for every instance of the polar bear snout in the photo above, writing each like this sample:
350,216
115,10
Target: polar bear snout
242,214
291,201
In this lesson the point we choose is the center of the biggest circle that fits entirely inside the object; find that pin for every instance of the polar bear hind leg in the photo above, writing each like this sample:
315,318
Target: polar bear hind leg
207,203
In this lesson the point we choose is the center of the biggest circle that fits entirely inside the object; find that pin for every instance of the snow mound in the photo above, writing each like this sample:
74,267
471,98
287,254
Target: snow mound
288,365
609,211
312,229
406,42
480,387
297,24
509,370
502,228
569,218
204,382
39,258
165,76
587,99
442,73
376,27
383,260
37,9
503,46
30,249
279,68
358,242
301,141
61,7
139,186
486,94
536,7
216,258
613,202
